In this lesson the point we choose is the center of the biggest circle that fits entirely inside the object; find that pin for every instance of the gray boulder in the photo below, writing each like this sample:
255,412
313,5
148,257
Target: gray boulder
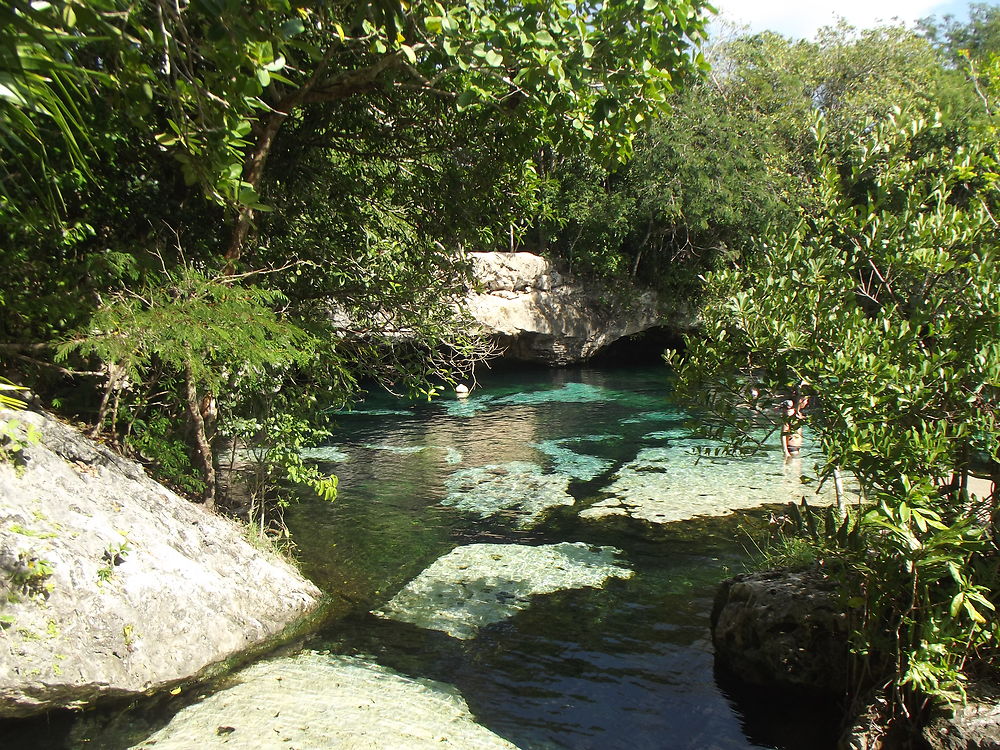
112,585
782,629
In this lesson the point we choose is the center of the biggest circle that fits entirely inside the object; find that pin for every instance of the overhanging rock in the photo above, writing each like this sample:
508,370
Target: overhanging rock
538,314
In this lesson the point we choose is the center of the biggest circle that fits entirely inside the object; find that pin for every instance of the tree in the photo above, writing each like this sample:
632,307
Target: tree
733,155
883,306
219,88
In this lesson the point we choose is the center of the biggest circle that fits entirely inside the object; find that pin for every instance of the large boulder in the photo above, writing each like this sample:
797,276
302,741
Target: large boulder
538,314
112,585
782,629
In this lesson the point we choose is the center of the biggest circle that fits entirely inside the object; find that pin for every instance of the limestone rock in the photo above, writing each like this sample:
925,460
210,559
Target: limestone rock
782,629
663,485
315,700
540,315
517,492
115,586
974,726
479,584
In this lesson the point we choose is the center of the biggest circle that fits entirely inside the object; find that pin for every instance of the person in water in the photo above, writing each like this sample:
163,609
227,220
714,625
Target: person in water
791,430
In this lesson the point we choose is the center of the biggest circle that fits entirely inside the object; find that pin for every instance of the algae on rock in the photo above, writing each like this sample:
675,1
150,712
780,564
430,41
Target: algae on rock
479,584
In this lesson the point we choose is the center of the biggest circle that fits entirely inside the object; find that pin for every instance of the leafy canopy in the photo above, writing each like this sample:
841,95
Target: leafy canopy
884,304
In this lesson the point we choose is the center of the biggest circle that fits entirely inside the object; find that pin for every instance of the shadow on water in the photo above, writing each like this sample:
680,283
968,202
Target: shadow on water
628,665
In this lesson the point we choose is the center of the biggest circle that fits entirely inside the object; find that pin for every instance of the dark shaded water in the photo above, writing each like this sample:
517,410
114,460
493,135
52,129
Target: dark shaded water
625,666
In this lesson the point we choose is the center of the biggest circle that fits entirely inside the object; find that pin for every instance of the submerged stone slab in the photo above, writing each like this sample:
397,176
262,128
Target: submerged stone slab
329,453
479,584
517,492
663,485
316,700
572,463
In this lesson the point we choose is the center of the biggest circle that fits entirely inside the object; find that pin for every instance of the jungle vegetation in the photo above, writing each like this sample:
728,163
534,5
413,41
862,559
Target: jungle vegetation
220,218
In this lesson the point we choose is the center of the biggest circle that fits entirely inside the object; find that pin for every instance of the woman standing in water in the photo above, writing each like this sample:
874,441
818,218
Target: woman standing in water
791,427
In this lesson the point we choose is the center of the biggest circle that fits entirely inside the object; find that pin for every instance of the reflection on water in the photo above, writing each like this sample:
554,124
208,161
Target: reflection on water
628,665
625,662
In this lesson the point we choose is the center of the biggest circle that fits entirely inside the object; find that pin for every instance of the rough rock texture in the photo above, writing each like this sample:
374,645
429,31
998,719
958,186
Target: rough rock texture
318,701
479,584
119,585
541,315
975,726
782,629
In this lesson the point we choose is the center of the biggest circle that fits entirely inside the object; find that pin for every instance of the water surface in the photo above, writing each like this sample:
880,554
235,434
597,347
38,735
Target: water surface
625,666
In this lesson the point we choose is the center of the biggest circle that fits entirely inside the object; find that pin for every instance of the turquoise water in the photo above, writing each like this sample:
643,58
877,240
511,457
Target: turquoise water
628,665
600,457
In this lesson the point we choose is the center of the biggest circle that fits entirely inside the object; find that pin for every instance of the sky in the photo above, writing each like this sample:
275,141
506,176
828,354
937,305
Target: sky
801,18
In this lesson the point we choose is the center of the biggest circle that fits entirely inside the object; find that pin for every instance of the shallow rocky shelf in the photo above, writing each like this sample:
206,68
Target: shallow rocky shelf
517,492
316,700
663,485
479,584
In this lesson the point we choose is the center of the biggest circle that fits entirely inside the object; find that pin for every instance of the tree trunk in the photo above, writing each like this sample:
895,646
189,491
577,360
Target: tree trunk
203,450
115,373
838,486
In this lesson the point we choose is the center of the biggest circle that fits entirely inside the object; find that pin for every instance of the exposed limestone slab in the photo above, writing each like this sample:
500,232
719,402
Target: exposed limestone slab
662,485
517,492
317,701
479,584
111,585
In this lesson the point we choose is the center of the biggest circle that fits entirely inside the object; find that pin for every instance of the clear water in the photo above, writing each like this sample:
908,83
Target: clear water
626,666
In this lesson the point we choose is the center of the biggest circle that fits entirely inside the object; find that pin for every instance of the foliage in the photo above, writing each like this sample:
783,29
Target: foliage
883,305
733,156
216,327
978,38
10,401
29,576
14,438
399,133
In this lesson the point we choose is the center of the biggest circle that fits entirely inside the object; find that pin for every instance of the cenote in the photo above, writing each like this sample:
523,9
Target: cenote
624,664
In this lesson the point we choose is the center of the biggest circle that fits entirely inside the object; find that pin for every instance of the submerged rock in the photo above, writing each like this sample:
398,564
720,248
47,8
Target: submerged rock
479,584
315,700
112,585
517,492
782,629
572,463
662,485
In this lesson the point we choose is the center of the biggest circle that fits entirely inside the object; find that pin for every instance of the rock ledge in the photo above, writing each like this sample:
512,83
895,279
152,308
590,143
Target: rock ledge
112,585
